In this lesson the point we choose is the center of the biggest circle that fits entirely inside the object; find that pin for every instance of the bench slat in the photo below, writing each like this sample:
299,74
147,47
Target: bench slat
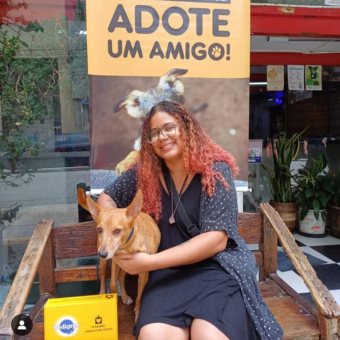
291,292
75,240
75,274
80,239
250,227
259,257
295,320
89,273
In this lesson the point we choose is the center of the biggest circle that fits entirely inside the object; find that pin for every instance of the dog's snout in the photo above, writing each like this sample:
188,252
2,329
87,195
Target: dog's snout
103,254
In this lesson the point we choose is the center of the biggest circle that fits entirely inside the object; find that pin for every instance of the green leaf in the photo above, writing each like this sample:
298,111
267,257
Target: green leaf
323,198
328,187
316,205
308,193
304,212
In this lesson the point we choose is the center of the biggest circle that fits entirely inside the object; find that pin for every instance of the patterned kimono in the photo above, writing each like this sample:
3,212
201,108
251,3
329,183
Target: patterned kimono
220,213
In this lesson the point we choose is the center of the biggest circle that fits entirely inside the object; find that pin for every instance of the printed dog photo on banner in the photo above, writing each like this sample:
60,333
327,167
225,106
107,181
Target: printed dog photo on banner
144,56
220,105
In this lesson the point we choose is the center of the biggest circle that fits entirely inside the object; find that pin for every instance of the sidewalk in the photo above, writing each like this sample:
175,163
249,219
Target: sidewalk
27,218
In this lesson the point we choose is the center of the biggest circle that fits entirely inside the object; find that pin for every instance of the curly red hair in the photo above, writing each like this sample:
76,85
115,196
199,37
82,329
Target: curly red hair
199,155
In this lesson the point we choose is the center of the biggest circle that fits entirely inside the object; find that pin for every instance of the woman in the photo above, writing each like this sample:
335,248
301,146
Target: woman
201,287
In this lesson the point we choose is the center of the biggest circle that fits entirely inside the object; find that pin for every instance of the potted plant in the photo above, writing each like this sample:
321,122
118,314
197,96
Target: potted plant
333,209
279,178
312,192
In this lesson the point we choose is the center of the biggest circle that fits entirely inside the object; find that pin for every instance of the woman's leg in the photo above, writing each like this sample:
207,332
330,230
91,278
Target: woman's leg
156,331
204,330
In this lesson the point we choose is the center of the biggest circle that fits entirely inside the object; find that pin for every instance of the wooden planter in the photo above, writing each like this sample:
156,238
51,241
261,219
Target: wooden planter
334,220
287,211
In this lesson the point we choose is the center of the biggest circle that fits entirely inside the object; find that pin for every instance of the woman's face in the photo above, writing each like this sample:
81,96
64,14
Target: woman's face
170,148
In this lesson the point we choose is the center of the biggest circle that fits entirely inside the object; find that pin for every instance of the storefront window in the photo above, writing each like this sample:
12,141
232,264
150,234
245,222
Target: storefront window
44,121
289,112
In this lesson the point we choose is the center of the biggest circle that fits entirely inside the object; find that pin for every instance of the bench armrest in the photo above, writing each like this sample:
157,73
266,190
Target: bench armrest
23,281
323,299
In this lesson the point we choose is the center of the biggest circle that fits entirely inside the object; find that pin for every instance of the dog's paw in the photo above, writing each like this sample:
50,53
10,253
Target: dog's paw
126,163
127,300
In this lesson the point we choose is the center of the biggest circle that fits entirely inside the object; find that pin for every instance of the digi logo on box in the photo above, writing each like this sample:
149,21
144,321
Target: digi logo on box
66,326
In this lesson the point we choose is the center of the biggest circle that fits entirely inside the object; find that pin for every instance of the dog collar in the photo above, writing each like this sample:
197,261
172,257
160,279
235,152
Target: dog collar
133,229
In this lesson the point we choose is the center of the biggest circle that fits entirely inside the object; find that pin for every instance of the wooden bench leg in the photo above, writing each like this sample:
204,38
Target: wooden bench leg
46,269
329,328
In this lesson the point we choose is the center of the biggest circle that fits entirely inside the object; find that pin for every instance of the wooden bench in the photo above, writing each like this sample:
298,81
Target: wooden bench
298,317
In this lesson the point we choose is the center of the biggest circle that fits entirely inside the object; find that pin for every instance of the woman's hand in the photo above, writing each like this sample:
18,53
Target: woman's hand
133,263
194,250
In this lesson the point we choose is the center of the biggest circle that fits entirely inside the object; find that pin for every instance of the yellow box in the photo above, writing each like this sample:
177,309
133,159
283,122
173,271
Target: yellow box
82,317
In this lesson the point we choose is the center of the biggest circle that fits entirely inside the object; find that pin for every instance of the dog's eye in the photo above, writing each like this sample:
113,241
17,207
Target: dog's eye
99,230
117,231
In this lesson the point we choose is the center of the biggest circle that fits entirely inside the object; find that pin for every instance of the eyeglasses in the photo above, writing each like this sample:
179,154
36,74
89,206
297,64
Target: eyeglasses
168,131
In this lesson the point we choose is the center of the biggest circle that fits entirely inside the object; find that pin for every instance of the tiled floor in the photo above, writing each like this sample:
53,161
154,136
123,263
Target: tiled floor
324,256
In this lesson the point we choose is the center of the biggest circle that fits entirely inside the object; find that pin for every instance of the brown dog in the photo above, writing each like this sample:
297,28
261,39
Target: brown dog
122,231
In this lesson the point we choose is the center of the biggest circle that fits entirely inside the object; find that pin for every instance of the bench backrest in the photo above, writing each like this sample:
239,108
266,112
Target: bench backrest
80,240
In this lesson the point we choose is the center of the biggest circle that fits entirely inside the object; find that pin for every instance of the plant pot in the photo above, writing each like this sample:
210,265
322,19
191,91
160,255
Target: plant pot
287,212
334,220
312,227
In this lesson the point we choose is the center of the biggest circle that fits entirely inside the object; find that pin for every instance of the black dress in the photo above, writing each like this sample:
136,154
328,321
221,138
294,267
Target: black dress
204,290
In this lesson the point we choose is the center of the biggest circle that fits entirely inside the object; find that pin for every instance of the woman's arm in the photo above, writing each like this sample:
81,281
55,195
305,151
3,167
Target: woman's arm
105,201
196,249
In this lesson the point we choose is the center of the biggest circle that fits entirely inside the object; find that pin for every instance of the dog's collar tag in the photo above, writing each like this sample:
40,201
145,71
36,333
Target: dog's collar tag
133,229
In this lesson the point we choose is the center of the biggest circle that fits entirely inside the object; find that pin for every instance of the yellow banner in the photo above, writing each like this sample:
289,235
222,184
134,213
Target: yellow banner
148,38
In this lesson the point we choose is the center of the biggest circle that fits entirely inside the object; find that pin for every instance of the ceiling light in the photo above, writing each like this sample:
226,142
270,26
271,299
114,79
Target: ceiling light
258,83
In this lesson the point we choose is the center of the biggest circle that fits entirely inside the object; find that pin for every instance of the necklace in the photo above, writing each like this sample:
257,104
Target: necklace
172,217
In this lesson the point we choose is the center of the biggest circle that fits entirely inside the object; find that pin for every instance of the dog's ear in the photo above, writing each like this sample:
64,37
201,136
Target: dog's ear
135,207
119,104
198,108
93,208
131,103
82,199
170,82
171,76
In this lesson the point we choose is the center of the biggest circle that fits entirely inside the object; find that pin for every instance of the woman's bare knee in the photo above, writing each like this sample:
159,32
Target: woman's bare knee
156,331
204,330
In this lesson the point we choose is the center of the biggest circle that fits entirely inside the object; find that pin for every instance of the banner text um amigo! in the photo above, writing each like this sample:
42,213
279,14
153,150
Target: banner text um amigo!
199,51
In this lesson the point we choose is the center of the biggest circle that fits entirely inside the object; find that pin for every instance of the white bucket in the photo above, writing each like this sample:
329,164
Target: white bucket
311,225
